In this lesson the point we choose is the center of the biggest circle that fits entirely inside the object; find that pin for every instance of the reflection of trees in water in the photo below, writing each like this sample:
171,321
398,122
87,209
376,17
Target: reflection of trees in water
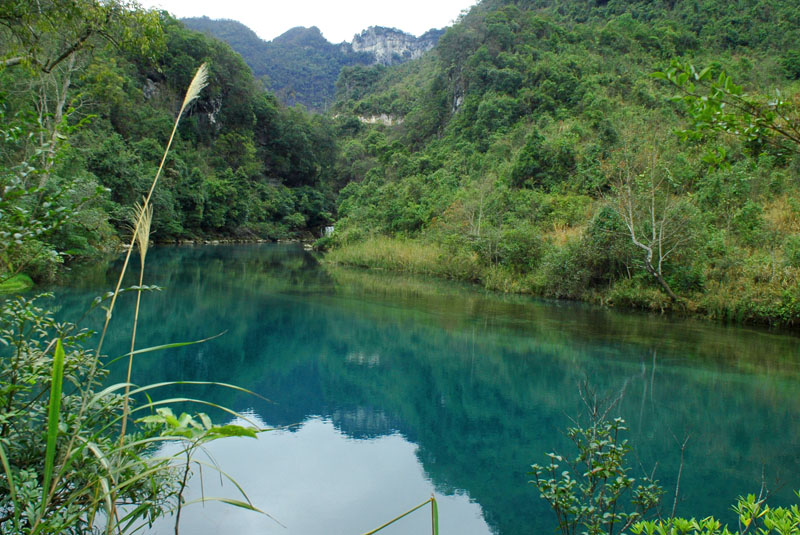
484,384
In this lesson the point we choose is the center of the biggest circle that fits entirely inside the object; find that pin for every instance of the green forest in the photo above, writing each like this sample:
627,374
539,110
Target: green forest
299,66
84,130
634,154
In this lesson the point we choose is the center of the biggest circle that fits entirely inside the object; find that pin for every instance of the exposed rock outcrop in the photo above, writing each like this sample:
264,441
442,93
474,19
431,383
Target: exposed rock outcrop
390,46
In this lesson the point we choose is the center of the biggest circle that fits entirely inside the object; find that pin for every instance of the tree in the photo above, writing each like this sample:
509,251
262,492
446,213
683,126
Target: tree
52,38
45,34
590,490
656,220
721,105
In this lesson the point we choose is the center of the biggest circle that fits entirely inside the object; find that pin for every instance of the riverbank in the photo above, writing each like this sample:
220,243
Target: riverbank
760,294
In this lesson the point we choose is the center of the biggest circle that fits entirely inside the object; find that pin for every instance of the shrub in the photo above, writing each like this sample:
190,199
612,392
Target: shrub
754,515
520,248
791,250
592,490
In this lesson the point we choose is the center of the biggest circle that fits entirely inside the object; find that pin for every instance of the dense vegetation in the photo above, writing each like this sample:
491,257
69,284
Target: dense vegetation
534,151
299,66
83,137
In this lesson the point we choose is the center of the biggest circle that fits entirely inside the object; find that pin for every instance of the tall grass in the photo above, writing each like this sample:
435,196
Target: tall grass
88,471
410,256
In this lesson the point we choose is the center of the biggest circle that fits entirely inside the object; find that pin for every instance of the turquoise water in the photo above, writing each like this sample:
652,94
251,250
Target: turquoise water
387,389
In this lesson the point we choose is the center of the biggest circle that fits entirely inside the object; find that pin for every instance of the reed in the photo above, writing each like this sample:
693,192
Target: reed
141,234
88,471
434,517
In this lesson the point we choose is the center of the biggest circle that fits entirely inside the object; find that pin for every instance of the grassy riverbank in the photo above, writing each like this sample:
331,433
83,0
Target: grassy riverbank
746,291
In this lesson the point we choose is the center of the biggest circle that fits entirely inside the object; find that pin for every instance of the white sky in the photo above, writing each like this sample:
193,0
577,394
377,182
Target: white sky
338,20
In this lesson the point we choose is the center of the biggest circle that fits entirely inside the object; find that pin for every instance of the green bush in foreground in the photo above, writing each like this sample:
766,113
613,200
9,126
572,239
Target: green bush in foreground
755,516
593,491
594,494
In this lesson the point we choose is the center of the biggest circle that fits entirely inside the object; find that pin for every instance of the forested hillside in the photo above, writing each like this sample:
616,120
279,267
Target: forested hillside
85,117
534,151
300,66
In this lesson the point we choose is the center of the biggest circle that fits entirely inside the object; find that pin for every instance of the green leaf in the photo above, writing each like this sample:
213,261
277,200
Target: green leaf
232,430
12,488
52,419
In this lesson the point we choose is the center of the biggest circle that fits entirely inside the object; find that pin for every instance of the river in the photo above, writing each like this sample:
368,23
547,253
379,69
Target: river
385,389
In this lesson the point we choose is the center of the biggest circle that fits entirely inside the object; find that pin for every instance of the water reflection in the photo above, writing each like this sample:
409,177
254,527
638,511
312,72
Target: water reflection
478,386
315,479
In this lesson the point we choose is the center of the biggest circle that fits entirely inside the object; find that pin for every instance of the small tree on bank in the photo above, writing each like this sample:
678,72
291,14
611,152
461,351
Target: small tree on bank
655,218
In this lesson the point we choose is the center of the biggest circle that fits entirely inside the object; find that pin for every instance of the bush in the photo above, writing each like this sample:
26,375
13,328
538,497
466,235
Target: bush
594,491
630,293
521,248
565,272
754,514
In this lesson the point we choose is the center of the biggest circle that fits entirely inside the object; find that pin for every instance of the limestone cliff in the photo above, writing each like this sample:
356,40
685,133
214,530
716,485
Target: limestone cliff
390,46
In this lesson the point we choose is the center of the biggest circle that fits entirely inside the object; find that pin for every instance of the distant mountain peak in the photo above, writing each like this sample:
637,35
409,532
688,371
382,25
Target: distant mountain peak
301,66
299,34
390,45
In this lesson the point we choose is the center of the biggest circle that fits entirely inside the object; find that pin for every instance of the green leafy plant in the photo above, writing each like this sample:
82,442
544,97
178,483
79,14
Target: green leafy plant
754,516
722,105
593,493
71,461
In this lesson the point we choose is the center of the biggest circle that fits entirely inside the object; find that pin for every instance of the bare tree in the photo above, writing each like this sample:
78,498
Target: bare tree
656,219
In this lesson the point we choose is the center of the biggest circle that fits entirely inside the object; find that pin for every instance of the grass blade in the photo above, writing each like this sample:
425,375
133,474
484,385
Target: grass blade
12,488
434,516
52,420
395,519
162,347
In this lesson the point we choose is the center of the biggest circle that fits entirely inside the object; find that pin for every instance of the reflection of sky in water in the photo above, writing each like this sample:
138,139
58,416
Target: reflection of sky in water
464,388
315,480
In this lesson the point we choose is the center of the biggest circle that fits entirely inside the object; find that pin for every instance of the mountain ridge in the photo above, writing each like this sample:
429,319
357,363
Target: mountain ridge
301,66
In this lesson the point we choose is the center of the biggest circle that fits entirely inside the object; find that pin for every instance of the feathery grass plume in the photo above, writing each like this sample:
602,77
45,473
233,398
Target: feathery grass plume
142,235
198,83
142,232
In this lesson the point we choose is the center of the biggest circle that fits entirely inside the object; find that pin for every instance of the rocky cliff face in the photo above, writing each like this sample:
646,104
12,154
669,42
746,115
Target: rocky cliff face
301,66
390,46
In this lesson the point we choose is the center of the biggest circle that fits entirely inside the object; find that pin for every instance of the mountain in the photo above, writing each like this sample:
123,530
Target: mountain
301,66
520,153
390,46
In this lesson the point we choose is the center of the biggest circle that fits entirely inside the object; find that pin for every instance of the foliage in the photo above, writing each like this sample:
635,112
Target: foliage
720,104
44,37
515,140
300,66
595,494
98,462
81,132
67,458
753,514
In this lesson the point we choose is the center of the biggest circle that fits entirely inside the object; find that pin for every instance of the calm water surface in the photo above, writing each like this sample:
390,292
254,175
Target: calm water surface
388,389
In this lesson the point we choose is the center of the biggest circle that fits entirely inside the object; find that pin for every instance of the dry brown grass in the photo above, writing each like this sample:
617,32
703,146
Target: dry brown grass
563,234
782,214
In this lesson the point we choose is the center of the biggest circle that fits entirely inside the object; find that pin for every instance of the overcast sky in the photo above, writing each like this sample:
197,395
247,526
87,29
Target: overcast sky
338,20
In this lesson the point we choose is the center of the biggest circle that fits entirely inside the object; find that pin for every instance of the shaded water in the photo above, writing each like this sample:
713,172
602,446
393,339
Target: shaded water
397,388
